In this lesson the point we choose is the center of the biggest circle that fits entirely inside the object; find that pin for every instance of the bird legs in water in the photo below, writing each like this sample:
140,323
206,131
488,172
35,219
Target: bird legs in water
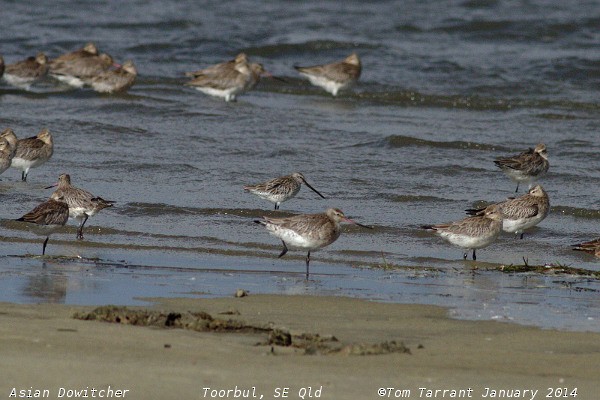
466,253
285,250
44,246
276,206
23,176
80,227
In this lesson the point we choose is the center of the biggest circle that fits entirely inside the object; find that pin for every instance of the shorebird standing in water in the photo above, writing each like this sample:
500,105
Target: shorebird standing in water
119,79
592,247
280,189
82,204
307,231
75,67
227,79
474,232
335,76
24,73
523,212
527,166
47,217
33,152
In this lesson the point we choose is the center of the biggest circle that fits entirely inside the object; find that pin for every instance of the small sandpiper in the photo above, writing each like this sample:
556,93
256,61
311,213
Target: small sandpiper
280,189
25,73
114,80
522,212
474,232
82,204
307,231
47,218
527,166
33,152
335,76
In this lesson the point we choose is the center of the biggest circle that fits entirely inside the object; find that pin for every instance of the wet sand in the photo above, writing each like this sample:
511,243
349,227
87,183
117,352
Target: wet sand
42,347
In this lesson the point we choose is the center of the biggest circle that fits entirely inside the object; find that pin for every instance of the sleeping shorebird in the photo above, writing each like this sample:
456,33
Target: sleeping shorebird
47,218
280,189
527,166
24,73
75,67
82,204
592,247
5,155
9,135
523,212
227,79
33,152
116,80
307,231
335,76
474,232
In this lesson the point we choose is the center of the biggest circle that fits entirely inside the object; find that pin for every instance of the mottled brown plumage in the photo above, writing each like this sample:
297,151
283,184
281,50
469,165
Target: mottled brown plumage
73,68
112,81
33,152
592,247
9,135
5,155
82,204
307,231
523,212
526,166
473,232
335,76
48,216
280,189
25,73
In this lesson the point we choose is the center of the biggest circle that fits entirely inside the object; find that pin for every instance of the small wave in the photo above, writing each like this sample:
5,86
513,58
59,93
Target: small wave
576,212
398,141
310,46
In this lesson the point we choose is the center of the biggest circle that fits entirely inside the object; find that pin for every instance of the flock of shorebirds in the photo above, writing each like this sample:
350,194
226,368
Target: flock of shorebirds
226,80
88,67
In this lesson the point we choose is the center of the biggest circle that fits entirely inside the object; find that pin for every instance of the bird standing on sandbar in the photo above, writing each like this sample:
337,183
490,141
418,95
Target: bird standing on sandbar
522,212
307,231
474,232
280,189
591,247
47,218
526,166
33,152
75,67
335,76
24,73
82,204
115,80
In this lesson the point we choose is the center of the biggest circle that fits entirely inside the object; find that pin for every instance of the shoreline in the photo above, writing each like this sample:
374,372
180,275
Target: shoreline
45,348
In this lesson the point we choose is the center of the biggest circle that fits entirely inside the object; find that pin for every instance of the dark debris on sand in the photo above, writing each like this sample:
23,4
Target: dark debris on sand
308,343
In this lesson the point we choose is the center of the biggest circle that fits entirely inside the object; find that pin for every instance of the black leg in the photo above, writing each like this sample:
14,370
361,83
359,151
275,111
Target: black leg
285,250
23,176
44,246
522,233
307,262
80,228
517,187
474,256
276,206
465,256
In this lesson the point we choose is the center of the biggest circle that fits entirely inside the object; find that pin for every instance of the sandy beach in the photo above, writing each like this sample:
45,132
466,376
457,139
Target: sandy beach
268,346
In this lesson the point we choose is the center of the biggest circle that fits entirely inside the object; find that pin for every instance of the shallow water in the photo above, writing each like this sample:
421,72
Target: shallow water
443,93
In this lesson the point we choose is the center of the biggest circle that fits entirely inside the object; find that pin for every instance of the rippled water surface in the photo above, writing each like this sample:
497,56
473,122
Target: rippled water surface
444,91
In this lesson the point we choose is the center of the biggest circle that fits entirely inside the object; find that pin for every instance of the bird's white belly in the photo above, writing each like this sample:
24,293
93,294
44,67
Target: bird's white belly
469,242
